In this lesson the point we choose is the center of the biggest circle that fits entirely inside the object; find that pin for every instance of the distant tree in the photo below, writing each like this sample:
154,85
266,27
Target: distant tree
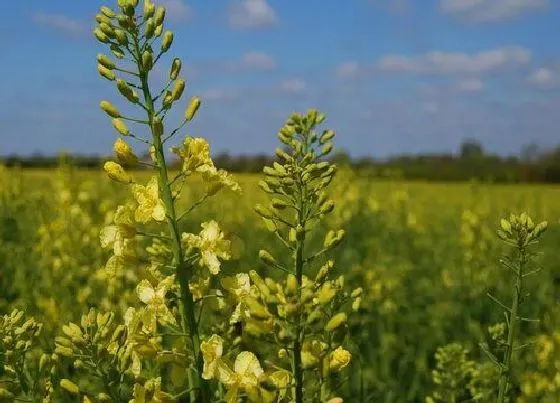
471,148
529,153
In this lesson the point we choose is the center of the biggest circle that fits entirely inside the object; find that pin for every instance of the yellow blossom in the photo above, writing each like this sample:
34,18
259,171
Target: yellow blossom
149,204
154,298
124,153
339,359
116,172
211,245
212,351
195,154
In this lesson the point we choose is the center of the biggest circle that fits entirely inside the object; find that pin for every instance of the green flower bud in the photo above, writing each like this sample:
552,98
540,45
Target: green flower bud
120,126
69,386
327,148
65,351
357,292
506,226
178,89
150,28
279,204
159,16
327,207
147,60
101,37
166,41
149,9
123,21
291,285
282,353
324,271
326,136
108,12
157,127
539,229
107,30
175,69
110,109
158,31
105,61
124,153
267,258
105,72
194,104
313,318
102,18
336,321
121,37
260,210
126,91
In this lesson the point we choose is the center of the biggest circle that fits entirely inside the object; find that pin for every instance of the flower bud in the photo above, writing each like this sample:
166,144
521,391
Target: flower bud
326,136
158,31
327,148
105,72
150,28
110,109
291,285
178,89
159,15
166,41
105,61
267,258
339,359
101,37
336,321
108,12
121,37
120,126
126,91
116,172
124,153
118,52
69,386
149,9
175,69
157,127
147,60
102,18
194,104
279,204
107,30
327,207
506,226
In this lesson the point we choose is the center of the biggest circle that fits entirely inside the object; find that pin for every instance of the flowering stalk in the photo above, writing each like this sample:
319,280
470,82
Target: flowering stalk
519,232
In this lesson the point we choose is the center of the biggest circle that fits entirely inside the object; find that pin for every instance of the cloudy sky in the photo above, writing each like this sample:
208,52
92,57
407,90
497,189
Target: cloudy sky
393,76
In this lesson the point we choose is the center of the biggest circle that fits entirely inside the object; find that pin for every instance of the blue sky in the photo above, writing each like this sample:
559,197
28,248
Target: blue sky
393,76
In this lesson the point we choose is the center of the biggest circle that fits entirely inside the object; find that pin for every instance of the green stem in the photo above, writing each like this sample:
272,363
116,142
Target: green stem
199,390
513,323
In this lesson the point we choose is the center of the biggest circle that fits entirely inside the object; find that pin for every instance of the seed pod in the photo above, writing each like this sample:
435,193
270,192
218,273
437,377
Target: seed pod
178,89
120,126
105,72
108,12
110,109
336,321
150,28
166,41
194,104
124,153
159,16
147,60
100,35
69,386
116,172
175,69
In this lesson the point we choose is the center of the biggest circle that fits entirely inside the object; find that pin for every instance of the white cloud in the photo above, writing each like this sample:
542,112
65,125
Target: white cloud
258,61
544,77
293,85
60,23
455,62
470,85
489,10
177,10
251,14
348,69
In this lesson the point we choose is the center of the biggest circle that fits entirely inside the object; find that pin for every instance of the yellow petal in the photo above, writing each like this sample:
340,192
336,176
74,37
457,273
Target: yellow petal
145,291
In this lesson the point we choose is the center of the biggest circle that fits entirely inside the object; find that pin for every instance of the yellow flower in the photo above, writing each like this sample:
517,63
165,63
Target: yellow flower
120,236
154,298
149,204
212,351
339,359
243,378
195,153
216,179
240,287
211,244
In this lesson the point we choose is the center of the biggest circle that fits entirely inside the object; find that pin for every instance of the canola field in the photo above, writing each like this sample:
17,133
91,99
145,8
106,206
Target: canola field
423,254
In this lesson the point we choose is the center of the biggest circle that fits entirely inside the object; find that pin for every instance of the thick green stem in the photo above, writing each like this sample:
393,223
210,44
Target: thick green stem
513,323
199,390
